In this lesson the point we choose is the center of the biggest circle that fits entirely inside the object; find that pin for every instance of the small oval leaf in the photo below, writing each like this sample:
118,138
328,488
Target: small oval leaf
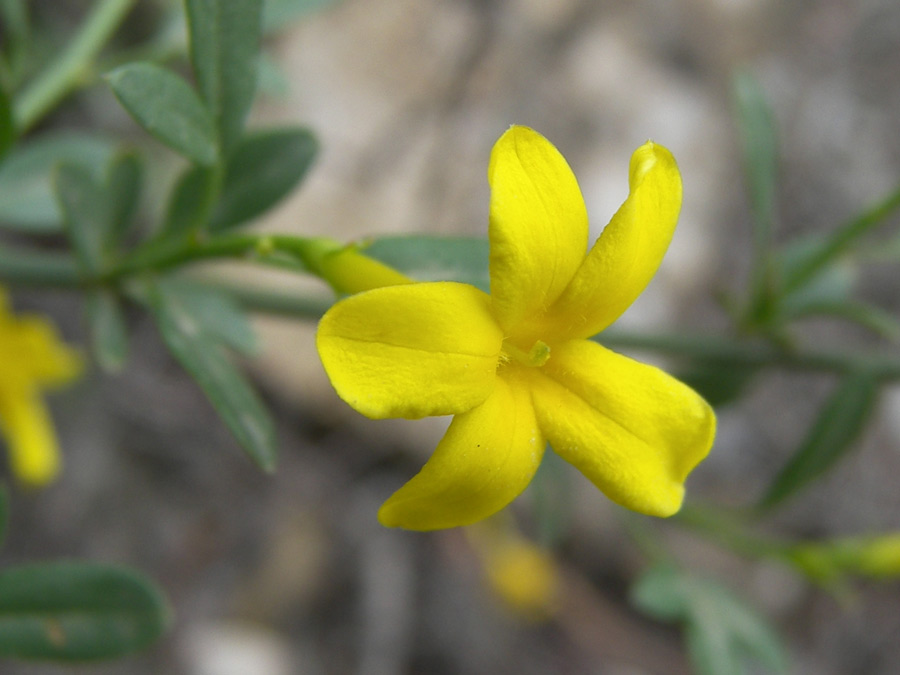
168,108
263,169
108,330
225,36
27,199
72,611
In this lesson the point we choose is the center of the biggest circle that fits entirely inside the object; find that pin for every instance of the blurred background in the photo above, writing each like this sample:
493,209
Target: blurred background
290,573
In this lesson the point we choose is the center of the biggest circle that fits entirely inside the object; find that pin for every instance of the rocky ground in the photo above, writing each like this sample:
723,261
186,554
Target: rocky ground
291,573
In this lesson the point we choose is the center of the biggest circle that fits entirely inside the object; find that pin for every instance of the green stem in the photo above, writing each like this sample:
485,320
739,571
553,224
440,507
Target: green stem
74,65
267,249
730,531
304,254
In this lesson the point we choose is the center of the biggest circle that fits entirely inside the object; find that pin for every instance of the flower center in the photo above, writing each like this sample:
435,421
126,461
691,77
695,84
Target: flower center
533,358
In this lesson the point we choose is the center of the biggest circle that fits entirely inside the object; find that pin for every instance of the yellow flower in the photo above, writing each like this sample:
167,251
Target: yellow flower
31,358
522,575
516,367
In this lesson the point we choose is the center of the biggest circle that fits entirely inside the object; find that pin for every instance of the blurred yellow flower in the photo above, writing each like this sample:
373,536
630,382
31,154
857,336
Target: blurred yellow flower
32,357
522,575
515,367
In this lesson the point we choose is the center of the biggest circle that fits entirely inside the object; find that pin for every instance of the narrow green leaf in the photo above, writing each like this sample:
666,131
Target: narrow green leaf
225,39
263,169
760,154
202,356
124,190
15,44
108,330
278,14
760,151
825,249
428,258
27,199
168,108
191,201
86,215
219,317
71,611
7,124
840,421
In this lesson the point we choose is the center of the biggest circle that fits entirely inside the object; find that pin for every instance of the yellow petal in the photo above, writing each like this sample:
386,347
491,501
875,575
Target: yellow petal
45,357
485,460
633,430
411,350
31,441
628,252
538,225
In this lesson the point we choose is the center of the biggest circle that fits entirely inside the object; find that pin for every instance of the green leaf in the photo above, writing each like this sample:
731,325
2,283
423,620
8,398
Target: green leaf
431,258
108,330
86,215
168,108
225,38
191,201
278,14
719,381
840,421
7,124
263,169
760,151
15,44
220,318
27,199
71,611
272,81
721,630
124,188
204,358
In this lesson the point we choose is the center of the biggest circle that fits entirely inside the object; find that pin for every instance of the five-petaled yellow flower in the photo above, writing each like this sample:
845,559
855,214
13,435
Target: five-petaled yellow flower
32,357
516,367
